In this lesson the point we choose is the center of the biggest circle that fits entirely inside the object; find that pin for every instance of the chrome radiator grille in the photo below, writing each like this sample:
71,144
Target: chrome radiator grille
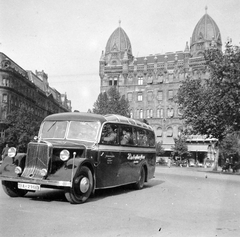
36,160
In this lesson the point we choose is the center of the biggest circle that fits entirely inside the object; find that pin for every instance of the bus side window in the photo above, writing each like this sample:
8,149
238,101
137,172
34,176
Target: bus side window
142,137
151,139
109,134
134,137
126,135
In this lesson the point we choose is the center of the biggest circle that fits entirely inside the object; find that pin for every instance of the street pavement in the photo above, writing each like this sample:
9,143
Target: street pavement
177,202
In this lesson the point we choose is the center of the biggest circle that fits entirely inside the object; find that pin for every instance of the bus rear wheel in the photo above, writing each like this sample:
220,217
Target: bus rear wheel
140,183
81,188
12,190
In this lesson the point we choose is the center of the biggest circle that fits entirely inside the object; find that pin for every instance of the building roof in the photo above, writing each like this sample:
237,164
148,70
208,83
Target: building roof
161,57
118,42
206,30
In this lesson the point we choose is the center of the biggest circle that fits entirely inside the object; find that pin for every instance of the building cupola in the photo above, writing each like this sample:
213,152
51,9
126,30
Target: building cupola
118,45
203,35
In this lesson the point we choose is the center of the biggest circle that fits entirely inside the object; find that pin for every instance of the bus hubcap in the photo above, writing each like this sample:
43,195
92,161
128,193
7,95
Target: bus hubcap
84,184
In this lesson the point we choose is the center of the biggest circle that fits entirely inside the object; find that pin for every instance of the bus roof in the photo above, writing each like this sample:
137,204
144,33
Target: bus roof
81,116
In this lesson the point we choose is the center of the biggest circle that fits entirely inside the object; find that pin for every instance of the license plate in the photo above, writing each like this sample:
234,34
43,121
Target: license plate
34,187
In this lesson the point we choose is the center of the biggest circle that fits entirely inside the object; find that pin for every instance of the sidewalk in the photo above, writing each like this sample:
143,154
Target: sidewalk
202,169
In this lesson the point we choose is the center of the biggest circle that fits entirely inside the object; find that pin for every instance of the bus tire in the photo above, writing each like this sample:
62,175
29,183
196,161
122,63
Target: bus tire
81,188
140,183
12,190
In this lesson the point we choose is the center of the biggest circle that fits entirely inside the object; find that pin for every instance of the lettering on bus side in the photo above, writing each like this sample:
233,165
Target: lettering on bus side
135,158
109,159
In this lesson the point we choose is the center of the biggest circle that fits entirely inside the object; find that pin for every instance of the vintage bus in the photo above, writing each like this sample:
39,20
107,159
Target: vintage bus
82,152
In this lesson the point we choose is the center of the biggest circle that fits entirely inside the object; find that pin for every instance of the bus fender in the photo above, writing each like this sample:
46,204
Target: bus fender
78,163
9,164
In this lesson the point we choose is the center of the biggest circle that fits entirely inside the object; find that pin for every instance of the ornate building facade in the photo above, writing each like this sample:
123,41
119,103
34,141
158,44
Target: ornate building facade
18,86
151,82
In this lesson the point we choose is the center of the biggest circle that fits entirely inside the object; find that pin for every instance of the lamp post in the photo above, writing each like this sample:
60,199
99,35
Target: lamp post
197,157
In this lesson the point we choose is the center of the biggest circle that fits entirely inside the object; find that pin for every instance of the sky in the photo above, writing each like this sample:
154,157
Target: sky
65,38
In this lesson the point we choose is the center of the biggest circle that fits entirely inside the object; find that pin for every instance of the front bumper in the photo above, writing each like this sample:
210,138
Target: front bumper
42,182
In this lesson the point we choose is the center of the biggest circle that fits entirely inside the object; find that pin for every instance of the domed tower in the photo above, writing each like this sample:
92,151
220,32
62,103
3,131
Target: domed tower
206,33
117,46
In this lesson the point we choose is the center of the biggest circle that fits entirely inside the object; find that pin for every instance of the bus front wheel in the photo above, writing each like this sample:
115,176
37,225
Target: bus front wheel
81,188
140,183
12,190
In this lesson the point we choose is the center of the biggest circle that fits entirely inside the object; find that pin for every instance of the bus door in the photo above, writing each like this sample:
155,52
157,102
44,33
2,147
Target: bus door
107,173
127,149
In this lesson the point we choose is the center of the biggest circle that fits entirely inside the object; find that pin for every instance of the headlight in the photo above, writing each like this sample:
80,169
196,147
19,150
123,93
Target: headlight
43,172
12,151
64,155
18,170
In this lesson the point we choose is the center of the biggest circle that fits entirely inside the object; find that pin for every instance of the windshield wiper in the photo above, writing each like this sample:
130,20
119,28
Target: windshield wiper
52,126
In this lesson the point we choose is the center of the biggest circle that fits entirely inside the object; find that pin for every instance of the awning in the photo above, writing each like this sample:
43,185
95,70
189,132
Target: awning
191,147
198,147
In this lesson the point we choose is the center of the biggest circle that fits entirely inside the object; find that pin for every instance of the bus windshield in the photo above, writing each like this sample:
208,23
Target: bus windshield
83,130
54,129
76,130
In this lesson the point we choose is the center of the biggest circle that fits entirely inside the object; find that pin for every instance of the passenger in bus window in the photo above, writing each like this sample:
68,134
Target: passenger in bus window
110,136
125,138
142,138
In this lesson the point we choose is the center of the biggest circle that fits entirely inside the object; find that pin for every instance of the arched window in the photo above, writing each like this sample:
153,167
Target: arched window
169,132
141,114
131,113
170,112
159,132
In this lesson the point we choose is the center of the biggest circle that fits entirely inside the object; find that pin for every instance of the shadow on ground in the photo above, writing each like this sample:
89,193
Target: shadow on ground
50,195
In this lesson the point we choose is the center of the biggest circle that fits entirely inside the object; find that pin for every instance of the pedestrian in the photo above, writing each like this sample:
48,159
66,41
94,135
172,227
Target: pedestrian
169,162
5,151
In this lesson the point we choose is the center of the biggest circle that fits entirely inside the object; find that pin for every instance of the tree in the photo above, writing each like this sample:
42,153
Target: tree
111,102
101,105
180,147
22,127
159,148
230,146
212,106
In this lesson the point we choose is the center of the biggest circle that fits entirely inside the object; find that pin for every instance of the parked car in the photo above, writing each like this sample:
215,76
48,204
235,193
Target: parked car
181,163
192,163
236,167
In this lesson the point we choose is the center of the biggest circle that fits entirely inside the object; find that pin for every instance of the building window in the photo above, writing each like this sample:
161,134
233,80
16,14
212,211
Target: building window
130,78
148,116
160,78
150,79
5,98
151,113
169,132
160,113
140,97
6,82
140,80
110,82
129,96
170,112
150,96
140,113
160,95
159,132
115,81
131,113
170,94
